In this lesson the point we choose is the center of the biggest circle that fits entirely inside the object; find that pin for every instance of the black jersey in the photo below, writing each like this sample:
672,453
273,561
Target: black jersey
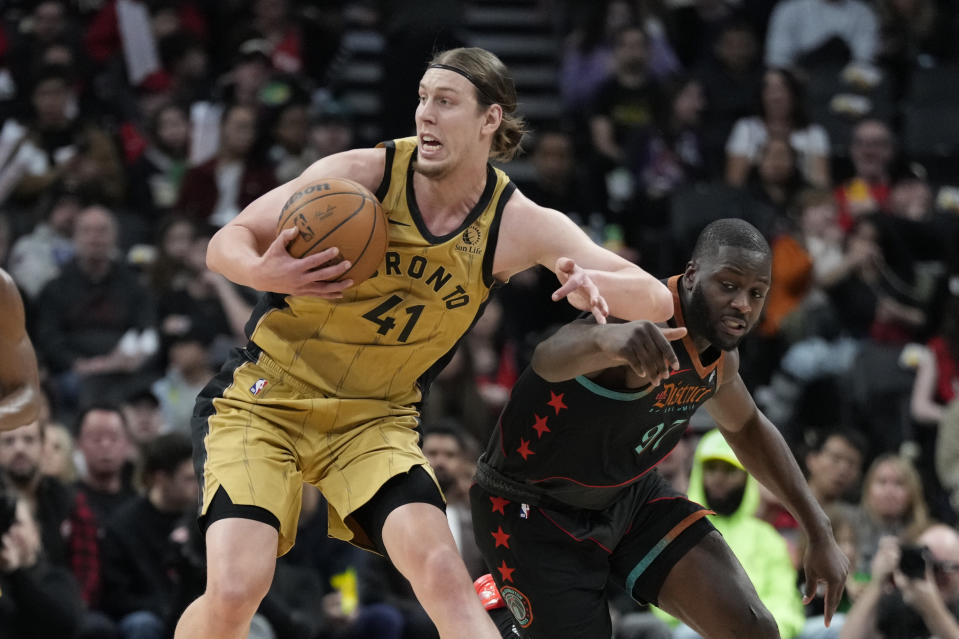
577,443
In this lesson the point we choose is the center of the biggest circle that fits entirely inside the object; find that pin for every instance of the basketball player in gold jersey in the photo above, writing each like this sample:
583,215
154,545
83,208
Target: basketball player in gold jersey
19,384
327,389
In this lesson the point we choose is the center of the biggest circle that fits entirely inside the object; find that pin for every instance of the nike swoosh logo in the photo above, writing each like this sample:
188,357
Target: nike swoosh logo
397,223
680,371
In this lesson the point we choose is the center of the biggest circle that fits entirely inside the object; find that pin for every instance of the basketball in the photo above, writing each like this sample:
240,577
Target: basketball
341,213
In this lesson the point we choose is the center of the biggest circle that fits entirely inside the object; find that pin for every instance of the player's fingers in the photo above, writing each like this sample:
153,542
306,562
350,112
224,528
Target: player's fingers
568,287
674,333
666,351
317,260
565,264
284,237
810,587
328,273
598,315
832,597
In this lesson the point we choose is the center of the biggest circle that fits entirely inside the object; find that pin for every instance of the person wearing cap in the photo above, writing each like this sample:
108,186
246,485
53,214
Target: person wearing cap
720,482
327,390
565,501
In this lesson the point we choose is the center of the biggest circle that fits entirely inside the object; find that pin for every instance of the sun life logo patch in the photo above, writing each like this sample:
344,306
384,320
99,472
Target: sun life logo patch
518,605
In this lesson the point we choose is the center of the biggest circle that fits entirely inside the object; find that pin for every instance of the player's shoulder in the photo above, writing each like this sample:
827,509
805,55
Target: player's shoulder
365,166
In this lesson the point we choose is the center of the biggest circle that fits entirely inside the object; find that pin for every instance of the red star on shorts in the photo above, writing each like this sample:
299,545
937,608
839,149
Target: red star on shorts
556,401
524,449
540,426
502,538
498,504
506,572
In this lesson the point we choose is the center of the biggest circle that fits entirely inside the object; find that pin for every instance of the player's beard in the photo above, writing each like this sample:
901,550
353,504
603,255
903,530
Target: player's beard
700,322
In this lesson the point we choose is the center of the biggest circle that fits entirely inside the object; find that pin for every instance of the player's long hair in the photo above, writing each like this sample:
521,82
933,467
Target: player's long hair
494,85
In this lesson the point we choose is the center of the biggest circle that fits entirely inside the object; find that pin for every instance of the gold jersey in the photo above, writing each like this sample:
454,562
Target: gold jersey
388,336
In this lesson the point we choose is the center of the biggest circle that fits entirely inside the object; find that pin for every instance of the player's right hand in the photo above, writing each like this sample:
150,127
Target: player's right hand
279,272
644,347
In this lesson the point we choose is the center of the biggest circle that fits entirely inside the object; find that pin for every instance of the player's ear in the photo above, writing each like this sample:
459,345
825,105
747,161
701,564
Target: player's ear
494,115
689,276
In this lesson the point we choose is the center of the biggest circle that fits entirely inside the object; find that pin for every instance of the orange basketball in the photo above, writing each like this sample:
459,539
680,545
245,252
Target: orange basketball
341,213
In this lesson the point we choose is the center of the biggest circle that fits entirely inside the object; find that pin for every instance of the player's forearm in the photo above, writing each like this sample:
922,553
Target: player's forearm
572,351
20,406
767,457
633,294
233,252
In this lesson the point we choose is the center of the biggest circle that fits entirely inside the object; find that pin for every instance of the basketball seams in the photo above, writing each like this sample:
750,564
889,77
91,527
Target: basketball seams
300,205
333,230
366,245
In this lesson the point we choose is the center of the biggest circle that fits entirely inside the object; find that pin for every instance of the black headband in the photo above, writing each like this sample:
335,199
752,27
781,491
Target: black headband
466,75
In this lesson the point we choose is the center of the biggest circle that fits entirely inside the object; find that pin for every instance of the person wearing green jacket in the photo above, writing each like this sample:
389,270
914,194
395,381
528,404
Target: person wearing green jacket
719,482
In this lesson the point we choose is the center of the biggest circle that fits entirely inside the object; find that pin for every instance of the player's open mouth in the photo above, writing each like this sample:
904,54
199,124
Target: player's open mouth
733,325
429,143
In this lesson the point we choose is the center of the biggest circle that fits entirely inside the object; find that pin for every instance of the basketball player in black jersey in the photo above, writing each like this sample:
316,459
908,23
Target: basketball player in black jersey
564,498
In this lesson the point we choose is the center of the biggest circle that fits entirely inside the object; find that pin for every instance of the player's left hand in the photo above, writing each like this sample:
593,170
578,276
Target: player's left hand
825,564
579,289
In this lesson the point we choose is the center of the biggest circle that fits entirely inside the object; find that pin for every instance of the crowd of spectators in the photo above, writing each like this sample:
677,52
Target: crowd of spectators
130,130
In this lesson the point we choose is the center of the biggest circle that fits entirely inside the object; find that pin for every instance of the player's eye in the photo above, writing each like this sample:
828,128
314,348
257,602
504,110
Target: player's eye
729,286
758,294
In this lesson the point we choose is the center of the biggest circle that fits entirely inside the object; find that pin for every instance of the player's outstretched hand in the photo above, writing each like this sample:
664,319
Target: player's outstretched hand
579,289
644,347
278,272
825,564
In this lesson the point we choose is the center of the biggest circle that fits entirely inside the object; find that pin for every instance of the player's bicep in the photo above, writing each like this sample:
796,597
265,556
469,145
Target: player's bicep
732,407
531,234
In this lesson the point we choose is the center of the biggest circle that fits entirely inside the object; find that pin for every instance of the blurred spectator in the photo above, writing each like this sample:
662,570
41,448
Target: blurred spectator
668,155
776,178
893,503
696,26
103,443
143,418
557,181
919,605
106,35
57,457
731,77
626,103
834,465
218,189
39,598
59,145
37,257
48,25
915,33
332,130
446,449
587,58
206,301
188,371
156,176
144,539
872,151
291,150
782,114
95,323
719,482
821,32
911,195
937,377
381,585
169,270
67,525
805,257
494,362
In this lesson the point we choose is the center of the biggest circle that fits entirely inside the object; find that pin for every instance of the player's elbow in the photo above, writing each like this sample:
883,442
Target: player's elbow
660,303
